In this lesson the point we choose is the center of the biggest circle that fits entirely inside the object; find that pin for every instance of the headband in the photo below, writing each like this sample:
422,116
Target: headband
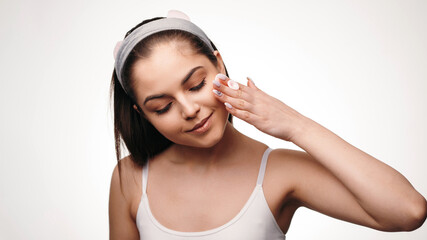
175,20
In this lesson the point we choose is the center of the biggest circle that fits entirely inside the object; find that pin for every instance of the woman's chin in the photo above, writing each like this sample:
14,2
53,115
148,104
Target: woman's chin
208,137
208,141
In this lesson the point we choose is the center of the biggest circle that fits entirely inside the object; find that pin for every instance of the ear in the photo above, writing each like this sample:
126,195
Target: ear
136,108
141,113
220,64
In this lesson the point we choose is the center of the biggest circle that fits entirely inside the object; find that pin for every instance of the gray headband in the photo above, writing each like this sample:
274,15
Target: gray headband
125,47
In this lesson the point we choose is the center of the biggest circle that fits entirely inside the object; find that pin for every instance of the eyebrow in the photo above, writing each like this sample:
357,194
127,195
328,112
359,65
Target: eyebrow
189,74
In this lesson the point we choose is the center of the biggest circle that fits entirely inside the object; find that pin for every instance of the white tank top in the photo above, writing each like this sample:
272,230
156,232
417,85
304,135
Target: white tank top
254,221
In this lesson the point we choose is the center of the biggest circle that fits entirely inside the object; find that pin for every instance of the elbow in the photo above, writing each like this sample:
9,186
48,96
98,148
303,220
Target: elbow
415,215
411,216
418,214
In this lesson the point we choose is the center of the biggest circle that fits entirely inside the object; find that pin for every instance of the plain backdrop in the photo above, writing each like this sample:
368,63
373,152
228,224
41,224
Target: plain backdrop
357,67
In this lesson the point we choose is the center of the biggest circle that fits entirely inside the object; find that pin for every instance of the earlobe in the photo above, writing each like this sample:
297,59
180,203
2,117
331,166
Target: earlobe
139,110
136,108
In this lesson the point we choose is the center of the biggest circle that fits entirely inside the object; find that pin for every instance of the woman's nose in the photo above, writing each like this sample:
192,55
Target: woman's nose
189,108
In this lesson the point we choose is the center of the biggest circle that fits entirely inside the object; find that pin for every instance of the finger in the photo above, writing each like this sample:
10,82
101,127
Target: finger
228,93
251,83
222,78
239,103
241,92
242,114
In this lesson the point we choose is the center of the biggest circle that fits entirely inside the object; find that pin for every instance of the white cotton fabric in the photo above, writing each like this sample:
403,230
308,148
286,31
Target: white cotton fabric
254,221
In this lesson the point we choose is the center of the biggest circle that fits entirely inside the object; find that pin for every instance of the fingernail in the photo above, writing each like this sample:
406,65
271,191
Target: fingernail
216,83
221,76
233,85
251,80
228,105
218,93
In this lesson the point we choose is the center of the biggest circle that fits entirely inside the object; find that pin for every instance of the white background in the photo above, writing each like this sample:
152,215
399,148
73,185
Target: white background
357,67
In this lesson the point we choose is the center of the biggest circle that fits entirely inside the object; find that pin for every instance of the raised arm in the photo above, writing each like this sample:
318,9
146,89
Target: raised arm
356,186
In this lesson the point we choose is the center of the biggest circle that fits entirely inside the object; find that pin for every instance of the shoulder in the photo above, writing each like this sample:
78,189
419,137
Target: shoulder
284,172
284,158
126,181
126,171
298,172
121,215
290,166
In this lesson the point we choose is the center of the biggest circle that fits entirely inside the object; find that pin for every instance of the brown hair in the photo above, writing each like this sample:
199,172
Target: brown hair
142,140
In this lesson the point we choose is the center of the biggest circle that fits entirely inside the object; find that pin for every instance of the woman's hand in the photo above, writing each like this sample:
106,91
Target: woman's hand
363,189
257,108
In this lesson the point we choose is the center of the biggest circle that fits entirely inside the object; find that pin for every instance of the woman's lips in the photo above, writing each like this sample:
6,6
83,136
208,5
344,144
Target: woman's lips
203,126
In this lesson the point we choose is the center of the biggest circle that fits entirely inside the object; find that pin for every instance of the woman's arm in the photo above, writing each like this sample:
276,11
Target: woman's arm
339,180
385,194
369,192
122,226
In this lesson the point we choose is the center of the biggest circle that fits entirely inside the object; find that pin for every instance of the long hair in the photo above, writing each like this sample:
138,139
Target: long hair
141,138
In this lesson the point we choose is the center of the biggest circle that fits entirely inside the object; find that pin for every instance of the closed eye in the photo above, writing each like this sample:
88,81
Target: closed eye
198,87
163,110
193,89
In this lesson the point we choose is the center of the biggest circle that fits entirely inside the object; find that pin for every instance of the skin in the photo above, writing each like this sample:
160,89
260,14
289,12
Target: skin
219,168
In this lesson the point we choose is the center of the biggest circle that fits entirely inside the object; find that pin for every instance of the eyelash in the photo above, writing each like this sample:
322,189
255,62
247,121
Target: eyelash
198,87
193,89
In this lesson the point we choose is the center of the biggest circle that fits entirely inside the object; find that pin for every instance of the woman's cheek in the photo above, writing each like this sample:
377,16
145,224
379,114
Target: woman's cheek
167,125
207,97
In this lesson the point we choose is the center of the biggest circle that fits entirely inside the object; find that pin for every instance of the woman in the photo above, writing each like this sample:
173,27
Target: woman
191,174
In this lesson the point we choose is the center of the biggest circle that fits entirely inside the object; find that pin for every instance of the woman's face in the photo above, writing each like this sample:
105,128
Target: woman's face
173,87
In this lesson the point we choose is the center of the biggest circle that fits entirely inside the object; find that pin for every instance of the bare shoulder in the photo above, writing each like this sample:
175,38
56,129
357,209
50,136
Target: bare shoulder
127,172
298,172
286,168
121,220
126,183
283,154
285,158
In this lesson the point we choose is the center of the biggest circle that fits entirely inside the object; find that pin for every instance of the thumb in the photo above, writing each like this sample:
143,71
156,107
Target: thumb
251,83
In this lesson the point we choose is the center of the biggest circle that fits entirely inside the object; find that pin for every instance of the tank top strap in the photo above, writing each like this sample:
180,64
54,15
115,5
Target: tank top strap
144,178
263,165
